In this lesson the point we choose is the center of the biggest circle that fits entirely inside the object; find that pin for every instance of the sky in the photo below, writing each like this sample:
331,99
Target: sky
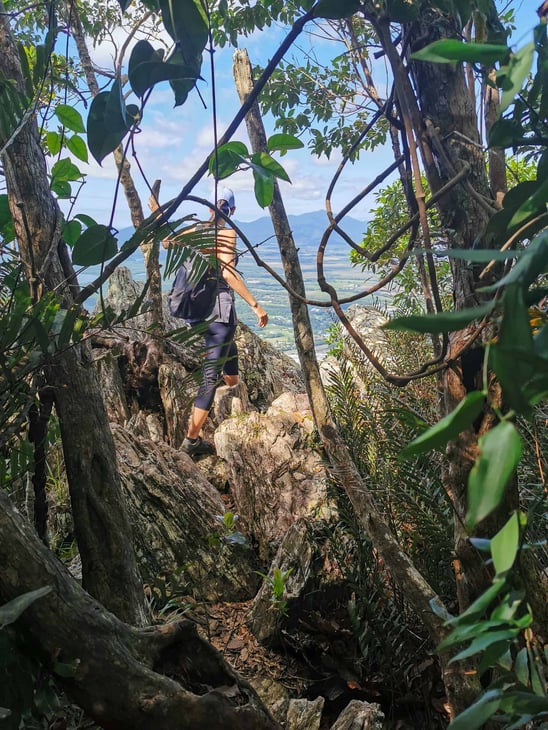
174,141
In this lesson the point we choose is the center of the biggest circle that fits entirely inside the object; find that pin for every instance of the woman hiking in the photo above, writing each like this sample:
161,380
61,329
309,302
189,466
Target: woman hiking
221,353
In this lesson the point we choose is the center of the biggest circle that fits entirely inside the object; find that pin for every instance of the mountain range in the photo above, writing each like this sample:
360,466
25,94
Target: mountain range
307,229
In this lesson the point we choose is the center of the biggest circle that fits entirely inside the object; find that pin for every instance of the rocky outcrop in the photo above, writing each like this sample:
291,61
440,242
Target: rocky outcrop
304,714
360,716
174,513
276,473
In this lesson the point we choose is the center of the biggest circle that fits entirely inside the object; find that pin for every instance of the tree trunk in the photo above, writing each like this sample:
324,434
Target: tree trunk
441,116
419,594
164,677
150,251
103,532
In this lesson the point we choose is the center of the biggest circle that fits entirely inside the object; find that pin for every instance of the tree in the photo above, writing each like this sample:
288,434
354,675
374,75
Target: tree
433,122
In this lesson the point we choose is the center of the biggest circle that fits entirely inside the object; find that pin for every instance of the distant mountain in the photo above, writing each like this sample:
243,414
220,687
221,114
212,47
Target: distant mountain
307,229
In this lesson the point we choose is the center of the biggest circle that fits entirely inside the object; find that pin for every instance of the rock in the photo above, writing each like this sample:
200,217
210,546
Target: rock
368,322
274,695
113,388
304,714
360,716
294,559
267,372
173,510
275,472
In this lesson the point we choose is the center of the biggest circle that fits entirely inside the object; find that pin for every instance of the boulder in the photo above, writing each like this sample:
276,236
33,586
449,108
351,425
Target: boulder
174,512
276,473
294,560
304,714
359,715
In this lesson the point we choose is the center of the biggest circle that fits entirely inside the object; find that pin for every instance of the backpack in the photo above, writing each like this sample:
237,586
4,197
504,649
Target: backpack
191,299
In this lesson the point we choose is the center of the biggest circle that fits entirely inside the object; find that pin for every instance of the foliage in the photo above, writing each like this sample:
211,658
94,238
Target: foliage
231,536
389,214
233,156
26,692
498,626
168,595
30,334
376,422
276,581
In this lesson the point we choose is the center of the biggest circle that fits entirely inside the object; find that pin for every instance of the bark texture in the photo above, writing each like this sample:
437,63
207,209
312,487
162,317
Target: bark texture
102,527
343,469
163,677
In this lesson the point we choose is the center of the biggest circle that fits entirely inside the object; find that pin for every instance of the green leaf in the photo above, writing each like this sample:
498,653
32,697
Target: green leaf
68,319
227,159
521,666
532,206
71,231
496,655
284,142
451,50
476,715
540,342
466,632
182,87
70,118
61,188
515,336
515,74
480,605
449,427
336,9
87,220
264,187
6,223
441,321
95,245
147,68
65,170
11,611
265,164
483,642
500,450
53,143
505,545
532,264
504,133
107,123
186,22
66,669
477,255
78,147
402,11
525,703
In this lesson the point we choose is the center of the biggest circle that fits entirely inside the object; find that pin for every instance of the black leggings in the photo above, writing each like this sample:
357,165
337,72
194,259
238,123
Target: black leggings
221,354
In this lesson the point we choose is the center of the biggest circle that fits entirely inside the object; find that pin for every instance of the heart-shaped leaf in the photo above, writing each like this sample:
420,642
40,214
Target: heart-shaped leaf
95,245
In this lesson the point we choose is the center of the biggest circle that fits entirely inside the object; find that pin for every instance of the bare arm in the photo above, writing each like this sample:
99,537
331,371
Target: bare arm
226,241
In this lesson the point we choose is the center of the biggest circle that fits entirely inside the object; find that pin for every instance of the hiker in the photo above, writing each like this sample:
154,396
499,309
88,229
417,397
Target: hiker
221,352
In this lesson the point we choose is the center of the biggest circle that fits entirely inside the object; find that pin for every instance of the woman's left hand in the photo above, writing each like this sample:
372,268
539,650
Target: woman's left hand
262,316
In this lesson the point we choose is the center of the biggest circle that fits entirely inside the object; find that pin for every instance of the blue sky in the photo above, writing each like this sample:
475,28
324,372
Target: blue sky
174,142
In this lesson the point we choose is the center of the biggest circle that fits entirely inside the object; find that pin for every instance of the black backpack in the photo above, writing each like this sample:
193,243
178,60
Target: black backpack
193,299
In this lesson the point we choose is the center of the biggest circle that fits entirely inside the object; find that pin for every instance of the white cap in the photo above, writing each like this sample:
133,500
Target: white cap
228,195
